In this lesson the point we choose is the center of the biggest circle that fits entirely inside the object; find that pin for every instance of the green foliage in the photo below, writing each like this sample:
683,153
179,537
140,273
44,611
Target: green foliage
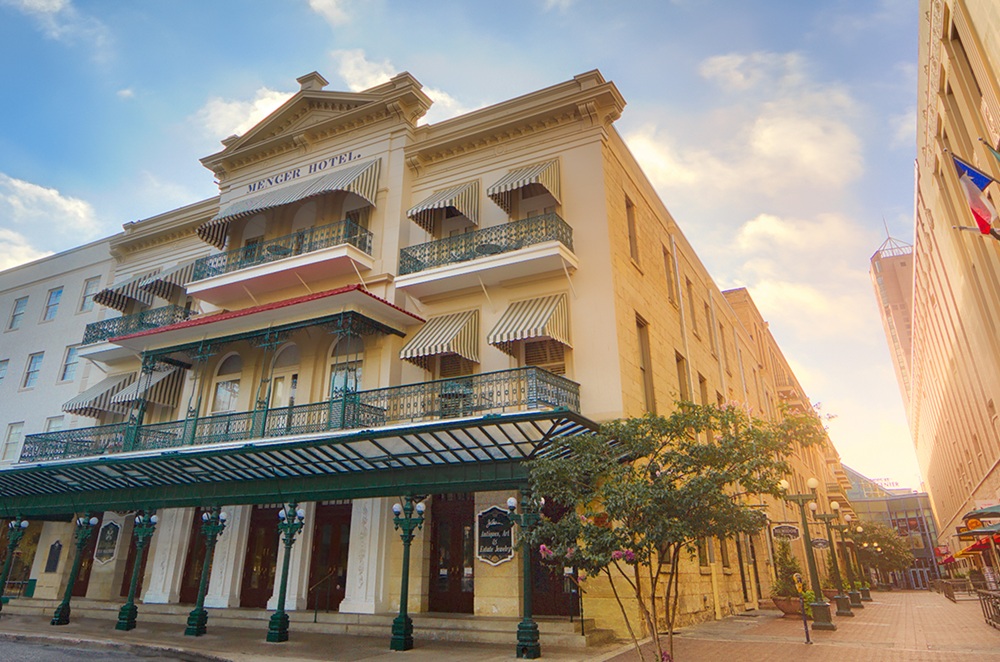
785,567
895,554
645,489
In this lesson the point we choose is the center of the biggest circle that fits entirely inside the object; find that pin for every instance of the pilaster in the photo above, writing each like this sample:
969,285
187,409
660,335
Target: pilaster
298,568
167,558
230,554
366,590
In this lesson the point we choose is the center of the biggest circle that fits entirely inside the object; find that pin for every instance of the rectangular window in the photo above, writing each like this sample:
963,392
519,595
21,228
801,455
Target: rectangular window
3,369
54,424
68,372
708,329
682,377
645,364
724,552
725,350
52,304
90,288
668,268
633,237
690,304
549,354
33,368
17,313
702,552
11,442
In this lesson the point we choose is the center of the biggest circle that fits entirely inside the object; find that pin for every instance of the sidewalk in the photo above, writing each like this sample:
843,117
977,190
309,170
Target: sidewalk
901,626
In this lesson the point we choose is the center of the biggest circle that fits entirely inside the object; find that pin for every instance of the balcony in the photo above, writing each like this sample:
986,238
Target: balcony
312,254
154,318
489,256
521,389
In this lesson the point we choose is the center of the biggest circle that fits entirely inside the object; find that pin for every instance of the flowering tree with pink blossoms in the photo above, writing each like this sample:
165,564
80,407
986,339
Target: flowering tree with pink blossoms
645,490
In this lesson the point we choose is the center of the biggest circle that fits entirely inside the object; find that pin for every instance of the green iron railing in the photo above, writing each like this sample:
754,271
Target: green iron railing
299,243
122,326
488,241
521,389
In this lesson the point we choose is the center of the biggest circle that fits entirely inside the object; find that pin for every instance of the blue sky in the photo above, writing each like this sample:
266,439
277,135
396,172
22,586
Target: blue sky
779,133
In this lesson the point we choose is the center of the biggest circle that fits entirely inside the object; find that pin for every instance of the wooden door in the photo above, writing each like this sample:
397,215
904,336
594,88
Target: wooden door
193,562
130,565
261,557
87,553
452,581
328,561
555,588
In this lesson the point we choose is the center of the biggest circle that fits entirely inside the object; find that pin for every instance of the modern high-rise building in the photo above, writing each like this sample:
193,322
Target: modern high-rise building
892,276
954,365
374,310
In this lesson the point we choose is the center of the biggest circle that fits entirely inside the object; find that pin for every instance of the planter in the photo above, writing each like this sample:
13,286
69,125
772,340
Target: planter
787,606
830,594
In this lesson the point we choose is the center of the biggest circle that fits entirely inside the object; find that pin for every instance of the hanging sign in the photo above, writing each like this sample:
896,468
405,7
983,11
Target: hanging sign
821,543
494,536
785,532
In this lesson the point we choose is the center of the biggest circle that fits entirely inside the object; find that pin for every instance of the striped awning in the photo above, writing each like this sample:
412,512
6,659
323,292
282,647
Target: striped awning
463,198
360,179
98,398
120,295
545,175
161,387
457,333
168,284
547,317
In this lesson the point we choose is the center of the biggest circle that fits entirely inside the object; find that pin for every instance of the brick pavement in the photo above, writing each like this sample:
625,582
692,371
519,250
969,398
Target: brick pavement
901,626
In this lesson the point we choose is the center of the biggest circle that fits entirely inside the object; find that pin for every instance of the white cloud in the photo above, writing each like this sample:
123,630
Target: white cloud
29,204
332,11
903,129
359,72
559,5
223,117
15,249
61,21
742,71
126,93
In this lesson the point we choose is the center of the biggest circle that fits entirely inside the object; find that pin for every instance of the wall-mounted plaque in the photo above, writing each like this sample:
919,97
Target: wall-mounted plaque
494,536
107,542
52,560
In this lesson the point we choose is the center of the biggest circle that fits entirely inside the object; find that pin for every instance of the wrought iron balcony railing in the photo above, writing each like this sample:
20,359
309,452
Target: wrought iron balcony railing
299,243
521,389
121,326
488,241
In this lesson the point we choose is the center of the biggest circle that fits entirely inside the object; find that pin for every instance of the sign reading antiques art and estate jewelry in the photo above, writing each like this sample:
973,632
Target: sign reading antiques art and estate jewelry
786,532
295,173
494,536
107,542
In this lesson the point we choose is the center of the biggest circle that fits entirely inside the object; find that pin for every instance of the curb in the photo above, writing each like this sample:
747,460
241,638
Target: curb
139,650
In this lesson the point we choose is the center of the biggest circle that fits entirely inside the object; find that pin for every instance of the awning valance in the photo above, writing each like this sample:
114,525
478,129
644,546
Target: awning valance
990,512
162,387
545,175
98,398
547,317
121,294
457,333
360,179
463,198
169,283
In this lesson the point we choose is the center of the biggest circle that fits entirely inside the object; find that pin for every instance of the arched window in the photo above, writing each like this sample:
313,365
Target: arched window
285,376
345,366
226,388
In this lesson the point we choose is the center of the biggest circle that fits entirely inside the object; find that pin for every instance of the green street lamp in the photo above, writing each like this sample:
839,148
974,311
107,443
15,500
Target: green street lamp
853,595
407,524
528,646
290,522
820,608
15,531
866,593
145,525
84,529
213,523
843,603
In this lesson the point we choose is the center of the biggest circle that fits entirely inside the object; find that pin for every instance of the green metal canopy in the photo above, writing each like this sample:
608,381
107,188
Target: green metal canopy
979,513
462,454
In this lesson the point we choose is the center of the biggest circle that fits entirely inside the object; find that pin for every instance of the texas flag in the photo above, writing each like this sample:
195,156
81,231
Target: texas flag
973,183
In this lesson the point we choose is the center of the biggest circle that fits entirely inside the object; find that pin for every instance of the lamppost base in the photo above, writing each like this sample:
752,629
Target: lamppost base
126,617
61,617
866,594
277,629
855,599
528,647
402,634
843,605
197,623
821,616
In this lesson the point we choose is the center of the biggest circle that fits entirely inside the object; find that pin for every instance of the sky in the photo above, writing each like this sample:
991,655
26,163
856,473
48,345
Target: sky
779,133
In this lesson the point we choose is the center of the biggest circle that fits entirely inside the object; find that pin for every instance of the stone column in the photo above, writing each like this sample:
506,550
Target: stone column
298,568
167,558
106,573
367,590
51,582
230,553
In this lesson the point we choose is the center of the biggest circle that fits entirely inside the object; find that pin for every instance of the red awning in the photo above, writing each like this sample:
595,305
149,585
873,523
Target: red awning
948,559
343,299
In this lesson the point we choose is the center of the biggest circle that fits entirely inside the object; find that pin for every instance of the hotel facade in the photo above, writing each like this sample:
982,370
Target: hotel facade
374,309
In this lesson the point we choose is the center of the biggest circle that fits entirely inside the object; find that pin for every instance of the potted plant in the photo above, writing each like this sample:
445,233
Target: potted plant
784,593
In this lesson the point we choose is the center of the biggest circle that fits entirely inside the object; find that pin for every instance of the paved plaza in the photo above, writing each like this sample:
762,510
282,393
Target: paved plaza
910,626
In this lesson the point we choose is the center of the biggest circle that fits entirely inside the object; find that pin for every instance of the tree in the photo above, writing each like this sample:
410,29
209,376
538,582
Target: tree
895,554
645,490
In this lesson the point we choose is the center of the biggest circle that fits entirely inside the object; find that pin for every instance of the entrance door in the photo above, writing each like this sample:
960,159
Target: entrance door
283,389
83,579
130,565
261,559
556,589
193,562
328,562
452,581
